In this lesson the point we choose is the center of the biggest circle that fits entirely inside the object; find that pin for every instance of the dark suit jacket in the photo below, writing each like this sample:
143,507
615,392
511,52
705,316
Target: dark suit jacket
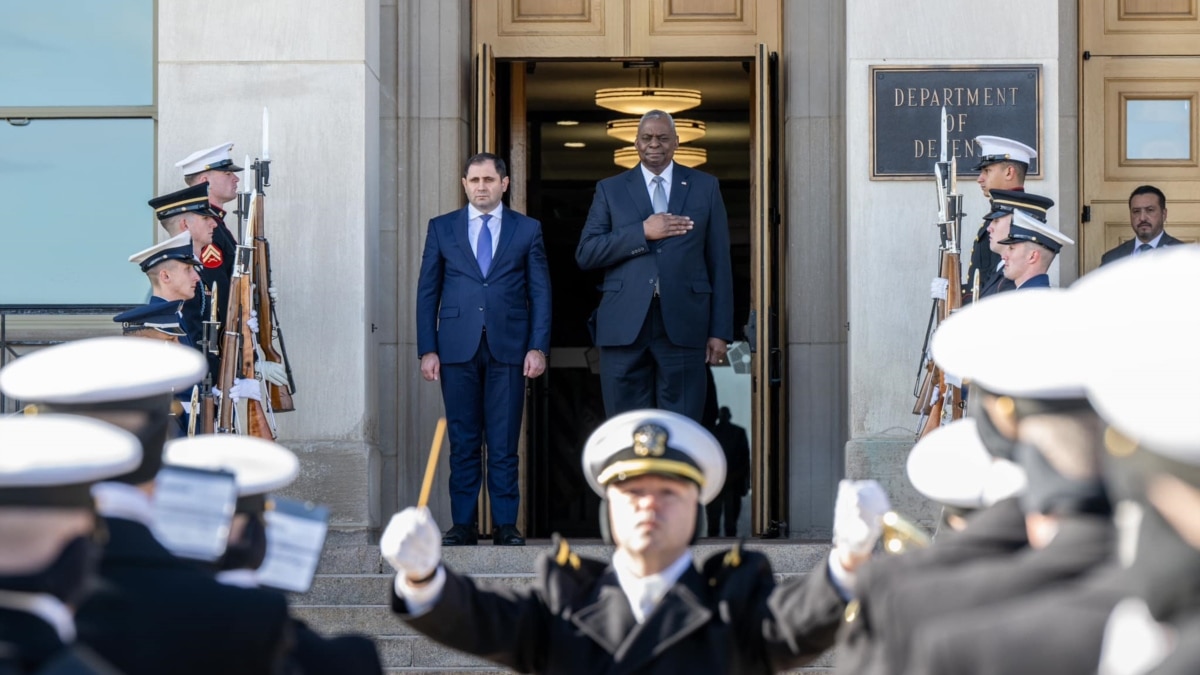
30,645
1038,281
719,619
694,269
1125,249
455,302
154,613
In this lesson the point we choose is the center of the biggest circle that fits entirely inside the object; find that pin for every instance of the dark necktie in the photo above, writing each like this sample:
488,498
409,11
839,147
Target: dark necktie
483,245
659,199
1144,247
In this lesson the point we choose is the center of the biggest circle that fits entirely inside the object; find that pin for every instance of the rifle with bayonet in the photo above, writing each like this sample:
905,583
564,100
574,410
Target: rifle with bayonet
939,398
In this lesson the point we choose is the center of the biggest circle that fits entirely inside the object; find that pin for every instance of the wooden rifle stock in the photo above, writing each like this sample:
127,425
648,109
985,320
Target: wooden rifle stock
281,397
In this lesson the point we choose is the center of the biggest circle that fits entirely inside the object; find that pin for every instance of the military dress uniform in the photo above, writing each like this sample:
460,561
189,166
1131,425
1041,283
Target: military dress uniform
1005,203
1026,228
993,149
151,613
47,465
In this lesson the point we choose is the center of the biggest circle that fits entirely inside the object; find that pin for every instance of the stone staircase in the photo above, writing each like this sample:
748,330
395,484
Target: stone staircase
350,593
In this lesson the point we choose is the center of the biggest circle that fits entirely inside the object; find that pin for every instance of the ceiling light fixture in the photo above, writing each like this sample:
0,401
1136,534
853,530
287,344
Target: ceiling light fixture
650,94
574,144
567,123
687,156
627,129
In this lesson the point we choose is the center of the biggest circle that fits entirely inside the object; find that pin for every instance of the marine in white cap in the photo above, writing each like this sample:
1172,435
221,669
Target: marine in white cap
1031,247
651,610
1002,165
261,468
215,167
179,618
49,535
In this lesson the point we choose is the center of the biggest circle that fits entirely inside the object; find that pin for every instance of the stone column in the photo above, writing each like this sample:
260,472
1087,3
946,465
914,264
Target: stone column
315,66
891,238
813,77
425,121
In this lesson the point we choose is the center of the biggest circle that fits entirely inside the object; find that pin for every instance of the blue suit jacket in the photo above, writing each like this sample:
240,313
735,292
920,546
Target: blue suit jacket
455,301
694,271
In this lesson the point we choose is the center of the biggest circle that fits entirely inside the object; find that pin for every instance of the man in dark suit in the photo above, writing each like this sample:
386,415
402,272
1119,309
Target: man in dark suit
651,609
1147,217
152,612
736,447
661,234
483,326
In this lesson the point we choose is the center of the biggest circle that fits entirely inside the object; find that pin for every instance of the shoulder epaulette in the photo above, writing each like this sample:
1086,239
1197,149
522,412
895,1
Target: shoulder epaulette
563,555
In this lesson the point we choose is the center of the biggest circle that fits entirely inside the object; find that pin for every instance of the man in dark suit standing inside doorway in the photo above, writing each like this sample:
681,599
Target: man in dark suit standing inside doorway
661,234
1147,216
483,326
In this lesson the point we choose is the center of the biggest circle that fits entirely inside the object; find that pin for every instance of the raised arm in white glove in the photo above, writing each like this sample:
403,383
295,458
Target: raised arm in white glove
412,544
938,288
272,372
858,517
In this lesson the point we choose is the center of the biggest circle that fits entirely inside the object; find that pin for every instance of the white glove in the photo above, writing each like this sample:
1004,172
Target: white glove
412,544
272,372
273,293
938,288
252,322
858,515
245,388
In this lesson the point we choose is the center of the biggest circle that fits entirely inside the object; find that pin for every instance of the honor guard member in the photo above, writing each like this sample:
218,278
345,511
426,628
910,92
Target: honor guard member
1153,441
1032,245
260,468
1003,204
1039,405
213,168
49,537
171,267
651,610
188,210
152,613
1002,165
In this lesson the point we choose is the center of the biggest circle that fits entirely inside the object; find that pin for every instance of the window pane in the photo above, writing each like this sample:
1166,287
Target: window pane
1158,129
74,195
77,53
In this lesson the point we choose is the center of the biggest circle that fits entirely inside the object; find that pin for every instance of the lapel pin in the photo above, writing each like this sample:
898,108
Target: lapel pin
683,182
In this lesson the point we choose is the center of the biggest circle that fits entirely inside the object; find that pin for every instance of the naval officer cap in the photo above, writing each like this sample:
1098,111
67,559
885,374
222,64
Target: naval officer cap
216,158
178,247
642,442
192,199
952,467
52,460
104,376
1004,202
259,466
993,149
1027,228
1029,345
1142,303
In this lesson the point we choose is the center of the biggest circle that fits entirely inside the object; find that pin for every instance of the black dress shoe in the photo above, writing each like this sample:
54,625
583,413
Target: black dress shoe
507,535
461,535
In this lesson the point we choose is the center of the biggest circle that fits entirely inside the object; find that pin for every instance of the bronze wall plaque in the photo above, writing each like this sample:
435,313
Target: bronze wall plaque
980,101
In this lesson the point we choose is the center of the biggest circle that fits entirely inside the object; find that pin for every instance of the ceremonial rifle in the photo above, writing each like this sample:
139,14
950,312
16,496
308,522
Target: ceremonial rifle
939,398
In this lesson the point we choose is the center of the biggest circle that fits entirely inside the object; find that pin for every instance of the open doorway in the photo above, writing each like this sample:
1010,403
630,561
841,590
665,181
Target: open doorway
567,150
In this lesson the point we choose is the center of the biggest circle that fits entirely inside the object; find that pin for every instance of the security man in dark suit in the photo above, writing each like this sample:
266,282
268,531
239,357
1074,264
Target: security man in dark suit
49,536
1147,217
1003,203
649,610
483,326
661,234
1002,165
152,613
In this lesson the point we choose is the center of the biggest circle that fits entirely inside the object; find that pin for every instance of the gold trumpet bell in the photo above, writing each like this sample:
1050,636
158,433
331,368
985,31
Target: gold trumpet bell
901,534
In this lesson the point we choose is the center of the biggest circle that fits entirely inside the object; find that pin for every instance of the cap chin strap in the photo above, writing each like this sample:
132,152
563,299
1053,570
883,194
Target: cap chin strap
606,524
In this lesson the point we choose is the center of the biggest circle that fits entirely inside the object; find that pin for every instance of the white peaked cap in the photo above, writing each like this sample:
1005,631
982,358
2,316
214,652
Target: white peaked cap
258,465
1029,344
652,441
58,450
1145,379
102,370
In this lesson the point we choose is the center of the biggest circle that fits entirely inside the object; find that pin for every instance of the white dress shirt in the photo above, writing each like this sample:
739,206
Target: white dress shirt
648,176
474,223
1153,243
644,593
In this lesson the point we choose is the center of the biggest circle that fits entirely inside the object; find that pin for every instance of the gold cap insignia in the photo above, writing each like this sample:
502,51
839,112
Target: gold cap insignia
649,440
